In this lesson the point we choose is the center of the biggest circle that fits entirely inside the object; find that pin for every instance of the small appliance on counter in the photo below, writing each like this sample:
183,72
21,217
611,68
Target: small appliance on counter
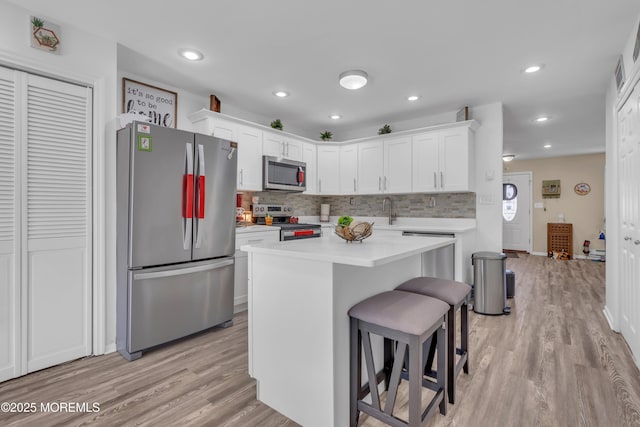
282,216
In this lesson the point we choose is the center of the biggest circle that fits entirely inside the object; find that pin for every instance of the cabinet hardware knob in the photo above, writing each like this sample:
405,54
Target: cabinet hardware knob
627,237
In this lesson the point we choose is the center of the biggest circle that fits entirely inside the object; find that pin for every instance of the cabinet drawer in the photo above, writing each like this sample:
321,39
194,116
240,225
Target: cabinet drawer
256,238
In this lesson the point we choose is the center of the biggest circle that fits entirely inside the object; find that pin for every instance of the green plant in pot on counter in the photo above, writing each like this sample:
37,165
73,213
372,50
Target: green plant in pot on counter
326,135
384,129
276,124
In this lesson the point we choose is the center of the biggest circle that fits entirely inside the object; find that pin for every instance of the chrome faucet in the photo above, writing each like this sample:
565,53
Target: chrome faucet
392,216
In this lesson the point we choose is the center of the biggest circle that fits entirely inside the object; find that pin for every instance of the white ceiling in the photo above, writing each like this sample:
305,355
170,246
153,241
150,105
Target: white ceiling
451,53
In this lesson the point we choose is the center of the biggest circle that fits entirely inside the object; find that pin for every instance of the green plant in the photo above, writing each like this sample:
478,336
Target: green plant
384,129
37,22
276,124
326,135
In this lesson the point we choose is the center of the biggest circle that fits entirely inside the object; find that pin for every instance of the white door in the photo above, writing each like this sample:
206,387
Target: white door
349,169
516,211
370,167
328,170
425,162
629,169
397,165
45,222
249,159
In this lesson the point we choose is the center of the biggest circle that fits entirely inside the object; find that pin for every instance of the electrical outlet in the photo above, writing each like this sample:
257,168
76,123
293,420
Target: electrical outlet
352,201
431,203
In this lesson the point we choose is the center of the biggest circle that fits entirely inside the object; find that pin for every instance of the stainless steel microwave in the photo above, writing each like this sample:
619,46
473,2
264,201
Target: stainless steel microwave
283,174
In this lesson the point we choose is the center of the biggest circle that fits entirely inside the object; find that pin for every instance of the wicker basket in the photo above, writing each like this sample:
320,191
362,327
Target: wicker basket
355,234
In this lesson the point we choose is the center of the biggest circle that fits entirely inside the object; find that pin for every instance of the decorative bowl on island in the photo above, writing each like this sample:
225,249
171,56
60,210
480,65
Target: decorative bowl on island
357,231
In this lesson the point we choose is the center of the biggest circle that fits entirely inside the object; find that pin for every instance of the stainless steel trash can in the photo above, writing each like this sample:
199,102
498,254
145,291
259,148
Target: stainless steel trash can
489,283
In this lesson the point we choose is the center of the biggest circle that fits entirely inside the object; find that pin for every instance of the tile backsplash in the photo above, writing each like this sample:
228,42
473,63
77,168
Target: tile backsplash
445,205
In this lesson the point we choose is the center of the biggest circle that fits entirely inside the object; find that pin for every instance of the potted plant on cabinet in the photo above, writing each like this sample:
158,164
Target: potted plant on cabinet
276,124
326,135
384,130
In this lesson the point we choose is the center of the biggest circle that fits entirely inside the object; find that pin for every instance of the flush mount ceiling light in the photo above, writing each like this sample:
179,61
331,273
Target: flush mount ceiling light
191,54
508,157
541,119
335,116
547,145
533,68
354,79
281,93
413,98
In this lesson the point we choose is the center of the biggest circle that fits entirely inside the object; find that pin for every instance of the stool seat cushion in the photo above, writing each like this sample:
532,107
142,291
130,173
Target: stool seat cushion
449,291
401,311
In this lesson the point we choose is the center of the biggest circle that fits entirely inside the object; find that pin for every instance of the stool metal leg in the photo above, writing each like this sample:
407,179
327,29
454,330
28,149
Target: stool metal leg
415,381
451,354
442,369
464,338
355,372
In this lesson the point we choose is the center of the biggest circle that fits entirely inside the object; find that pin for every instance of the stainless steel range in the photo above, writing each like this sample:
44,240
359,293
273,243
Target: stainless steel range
283,218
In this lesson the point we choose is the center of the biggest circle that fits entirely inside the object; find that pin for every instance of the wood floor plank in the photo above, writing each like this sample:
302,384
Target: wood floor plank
552,362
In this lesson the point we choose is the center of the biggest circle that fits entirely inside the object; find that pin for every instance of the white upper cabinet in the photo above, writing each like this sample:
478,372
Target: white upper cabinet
444,161
370,167
349,169
328,170
397,165
309,157
217,126
249,159
280,146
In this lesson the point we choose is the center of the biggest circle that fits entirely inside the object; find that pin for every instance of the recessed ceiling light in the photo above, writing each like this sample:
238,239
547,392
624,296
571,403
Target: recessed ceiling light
542,119
354,79
335,116
413,98
191,54
533,69
547,145
508,157
281,93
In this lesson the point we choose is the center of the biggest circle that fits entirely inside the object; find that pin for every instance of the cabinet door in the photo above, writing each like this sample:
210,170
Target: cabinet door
225,130
292,149
397,165
272,145
249,159
370,167
455,164
328,170
309,157
425,162
241,277
348,169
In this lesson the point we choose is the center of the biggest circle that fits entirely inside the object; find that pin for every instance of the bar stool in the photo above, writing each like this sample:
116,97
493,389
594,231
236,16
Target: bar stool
455,294
409,320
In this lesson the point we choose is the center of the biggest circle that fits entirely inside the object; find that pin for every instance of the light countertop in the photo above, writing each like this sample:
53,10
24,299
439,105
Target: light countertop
372,252
255,228
436,225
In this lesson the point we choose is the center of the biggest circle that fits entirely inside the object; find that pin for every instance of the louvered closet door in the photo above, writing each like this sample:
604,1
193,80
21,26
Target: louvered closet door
9,295
56,246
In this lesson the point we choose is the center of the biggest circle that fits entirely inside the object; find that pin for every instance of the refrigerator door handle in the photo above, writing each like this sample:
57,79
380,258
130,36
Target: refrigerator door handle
187,197
182,271
201,194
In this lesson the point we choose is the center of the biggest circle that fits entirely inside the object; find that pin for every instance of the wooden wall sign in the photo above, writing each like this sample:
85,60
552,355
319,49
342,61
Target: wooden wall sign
551,189
214,103
159,105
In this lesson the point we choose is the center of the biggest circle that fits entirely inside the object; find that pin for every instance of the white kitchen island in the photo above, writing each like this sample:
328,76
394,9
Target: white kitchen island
299,295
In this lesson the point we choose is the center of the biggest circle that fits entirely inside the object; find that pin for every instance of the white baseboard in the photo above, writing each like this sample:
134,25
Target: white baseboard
242,299
609,317
238,308
539,253
110,348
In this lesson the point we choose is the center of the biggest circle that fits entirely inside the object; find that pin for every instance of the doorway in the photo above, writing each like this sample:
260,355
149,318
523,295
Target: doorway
516,211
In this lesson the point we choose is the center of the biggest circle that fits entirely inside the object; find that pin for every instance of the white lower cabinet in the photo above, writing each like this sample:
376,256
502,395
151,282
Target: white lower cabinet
241,279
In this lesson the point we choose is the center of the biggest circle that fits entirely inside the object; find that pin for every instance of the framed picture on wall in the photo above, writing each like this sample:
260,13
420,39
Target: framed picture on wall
551,189
159,105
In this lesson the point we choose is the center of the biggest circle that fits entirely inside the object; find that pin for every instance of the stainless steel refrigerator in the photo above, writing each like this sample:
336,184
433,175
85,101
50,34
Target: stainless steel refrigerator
175,235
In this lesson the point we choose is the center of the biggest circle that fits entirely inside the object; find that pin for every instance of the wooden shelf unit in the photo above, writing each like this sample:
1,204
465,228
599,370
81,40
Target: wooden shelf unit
560,237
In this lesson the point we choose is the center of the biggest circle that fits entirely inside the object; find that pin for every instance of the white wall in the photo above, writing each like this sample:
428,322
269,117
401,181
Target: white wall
612,212
84,58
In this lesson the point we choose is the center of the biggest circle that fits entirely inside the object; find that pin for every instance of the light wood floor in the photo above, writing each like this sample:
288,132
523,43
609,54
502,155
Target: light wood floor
552,362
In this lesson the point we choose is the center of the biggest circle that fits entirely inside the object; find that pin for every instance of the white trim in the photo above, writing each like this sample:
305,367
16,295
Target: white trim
538,253
98,249
609,317
110,348
530,174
